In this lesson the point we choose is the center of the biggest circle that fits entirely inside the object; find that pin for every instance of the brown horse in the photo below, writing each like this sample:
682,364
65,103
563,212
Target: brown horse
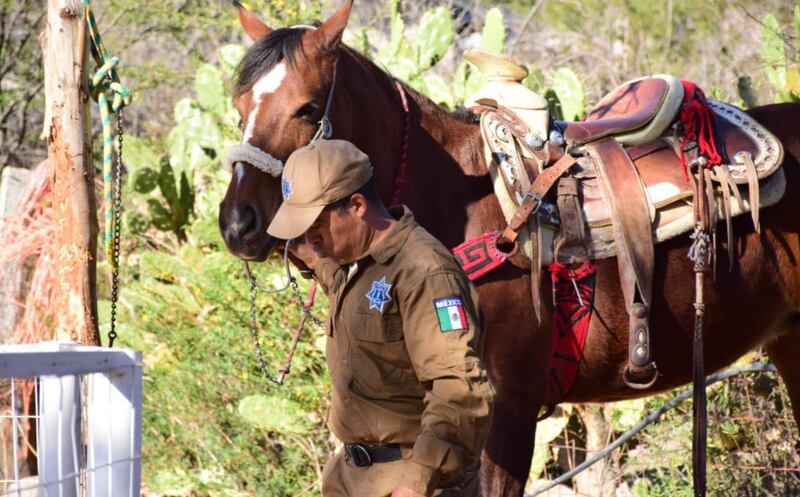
282,92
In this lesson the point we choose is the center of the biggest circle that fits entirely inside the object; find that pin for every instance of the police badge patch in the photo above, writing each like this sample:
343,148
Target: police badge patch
378,295
450,312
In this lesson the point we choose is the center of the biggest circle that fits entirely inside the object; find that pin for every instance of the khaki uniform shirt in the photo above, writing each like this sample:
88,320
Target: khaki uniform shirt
403,353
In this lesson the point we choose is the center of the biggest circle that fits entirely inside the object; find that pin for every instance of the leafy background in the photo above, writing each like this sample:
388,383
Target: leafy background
213,427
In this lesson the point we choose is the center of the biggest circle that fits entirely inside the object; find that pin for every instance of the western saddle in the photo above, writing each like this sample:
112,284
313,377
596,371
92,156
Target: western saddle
620,182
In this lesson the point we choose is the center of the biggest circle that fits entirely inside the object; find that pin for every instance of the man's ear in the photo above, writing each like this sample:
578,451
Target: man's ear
252,25
358,203
329,34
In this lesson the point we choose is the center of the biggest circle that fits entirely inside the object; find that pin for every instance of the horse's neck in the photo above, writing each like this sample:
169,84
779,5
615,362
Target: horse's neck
446,176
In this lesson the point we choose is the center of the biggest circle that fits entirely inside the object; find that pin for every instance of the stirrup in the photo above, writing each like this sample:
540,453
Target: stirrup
640,377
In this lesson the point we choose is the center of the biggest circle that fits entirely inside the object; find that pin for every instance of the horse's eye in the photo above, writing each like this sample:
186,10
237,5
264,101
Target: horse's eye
240,124
306,110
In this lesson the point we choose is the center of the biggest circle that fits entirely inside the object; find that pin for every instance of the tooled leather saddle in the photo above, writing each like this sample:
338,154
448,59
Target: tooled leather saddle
615,183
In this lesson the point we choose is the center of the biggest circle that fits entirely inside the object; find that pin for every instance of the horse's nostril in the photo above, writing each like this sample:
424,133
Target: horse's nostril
244,223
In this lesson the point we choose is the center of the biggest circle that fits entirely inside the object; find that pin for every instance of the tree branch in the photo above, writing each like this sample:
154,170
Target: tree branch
538,5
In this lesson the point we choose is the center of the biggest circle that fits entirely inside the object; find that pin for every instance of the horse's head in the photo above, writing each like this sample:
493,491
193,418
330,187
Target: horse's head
283,89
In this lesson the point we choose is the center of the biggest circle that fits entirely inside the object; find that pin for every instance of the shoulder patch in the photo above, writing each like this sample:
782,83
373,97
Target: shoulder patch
450,312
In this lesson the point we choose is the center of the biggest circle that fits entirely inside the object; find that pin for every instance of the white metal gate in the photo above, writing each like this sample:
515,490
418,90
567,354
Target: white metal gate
77,411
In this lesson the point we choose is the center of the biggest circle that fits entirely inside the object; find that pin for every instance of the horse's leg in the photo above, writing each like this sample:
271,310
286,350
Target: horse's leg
783,351
516,355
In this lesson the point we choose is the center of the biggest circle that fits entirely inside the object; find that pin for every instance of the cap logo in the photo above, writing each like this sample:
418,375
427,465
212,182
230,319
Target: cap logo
286,188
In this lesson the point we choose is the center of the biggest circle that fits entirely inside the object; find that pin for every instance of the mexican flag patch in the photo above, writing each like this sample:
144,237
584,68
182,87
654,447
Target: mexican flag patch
450,312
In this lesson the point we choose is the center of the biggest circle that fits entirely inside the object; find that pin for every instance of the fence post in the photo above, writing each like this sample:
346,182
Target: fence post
66,129
60,444
114,414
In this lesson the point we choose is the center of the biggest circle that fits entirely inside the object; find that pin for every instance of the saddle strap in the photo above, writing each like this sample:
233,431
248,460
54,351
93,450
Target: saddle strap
533,198
622,189
572,246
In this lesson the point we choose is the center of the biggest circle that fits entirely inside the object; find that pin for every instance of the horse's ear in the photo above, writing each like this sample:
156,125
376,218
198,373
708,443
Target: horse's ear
329,34
252,25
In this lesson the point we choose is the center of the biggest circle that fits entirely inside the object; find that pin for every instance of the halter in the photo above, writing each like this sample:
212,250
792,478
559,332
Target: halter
244,152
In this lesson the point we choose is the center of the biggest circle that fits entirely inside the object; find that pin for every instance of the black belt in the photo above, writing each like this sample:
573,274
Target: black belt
363,456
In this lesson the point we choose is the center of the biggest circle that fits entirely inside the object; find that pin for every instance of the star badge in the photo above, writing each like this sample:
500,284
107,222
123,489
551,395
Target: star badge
378,295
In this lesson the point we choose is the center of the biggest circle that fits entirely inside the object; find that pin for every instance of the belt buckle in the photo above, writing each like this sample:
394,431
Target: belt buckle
358,454
536,198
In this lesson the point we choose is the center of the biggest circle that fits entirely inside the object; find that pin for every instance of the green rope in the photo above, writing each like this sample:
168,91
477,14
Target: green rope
112,96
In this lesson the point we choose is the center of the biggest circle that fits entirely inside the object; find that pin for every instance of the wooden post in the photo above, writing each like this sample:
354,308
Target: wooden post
66,129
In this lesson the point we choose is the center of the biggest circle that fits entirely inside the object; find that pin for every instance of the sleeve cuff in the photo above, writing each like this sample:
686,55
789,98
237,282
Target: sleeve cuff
419,478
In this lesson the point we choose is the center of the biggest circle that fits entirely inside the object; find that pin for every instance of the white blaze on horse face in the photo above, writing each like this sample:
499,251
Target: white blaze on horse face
239,173
269,83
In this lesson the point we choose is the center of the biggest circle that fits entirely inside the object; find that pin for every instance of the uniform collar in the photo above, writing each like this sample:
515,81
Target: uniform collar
396,236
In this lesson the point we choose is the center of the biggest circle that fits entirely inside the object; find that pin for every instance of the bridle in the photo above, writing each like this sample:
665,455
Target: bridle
267,163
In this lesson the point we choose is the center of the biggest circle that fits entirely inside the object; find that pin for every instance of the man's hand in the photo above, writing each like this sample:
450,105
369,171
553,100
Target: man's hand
403,491
303,251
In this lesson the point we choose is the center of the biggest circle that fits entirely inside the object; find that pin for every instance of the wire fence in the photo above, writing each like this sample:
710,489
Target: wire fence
70,421
753,444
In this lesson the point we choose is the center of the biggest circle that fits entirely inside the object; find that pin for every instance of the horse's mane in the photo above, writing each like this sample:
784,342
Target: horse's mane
285,43
425,104
266,53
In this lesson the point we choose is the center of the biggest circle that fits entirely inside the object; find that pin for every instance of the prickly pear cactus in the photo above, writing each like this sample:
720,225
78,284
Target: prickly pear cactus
143,179
782,73
434,36
535,80
494,31
569,90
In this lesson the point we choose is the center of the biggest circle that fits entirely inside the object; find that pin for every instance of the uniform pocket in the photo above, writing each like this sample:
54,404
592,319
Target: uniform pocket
383,357
378,328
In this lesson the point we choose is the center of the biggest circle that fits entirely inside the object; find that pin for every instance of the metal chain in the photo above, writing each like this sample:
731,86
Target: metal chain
306,312
112,334
254,287
254,331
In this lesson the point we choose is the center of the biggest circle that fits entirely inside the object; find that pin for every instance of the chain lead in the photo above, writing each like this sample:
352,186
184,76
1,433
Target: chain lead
254,288
254,331
112,334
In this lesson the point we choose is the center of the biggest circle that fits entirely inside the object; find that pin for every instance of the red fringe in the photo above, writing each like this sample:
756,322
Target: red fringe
698,126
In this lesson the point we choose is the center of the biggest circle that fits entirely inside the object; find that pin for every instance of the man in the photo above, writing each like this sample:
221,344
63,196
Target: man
411,399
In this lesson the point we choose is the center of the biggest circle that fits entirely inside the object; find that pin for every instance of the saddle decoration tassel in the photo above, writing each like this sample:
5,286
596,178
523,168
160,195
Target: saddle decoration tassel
698,126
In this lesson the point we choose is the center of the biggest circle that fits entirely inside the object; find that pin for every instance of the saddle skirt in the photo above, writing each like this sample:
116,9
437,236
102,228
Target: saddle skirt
669,194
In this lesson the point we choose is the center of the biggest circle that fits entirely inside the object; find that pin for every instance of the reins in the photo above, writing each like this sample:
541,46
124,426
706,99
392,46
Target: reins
400,175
